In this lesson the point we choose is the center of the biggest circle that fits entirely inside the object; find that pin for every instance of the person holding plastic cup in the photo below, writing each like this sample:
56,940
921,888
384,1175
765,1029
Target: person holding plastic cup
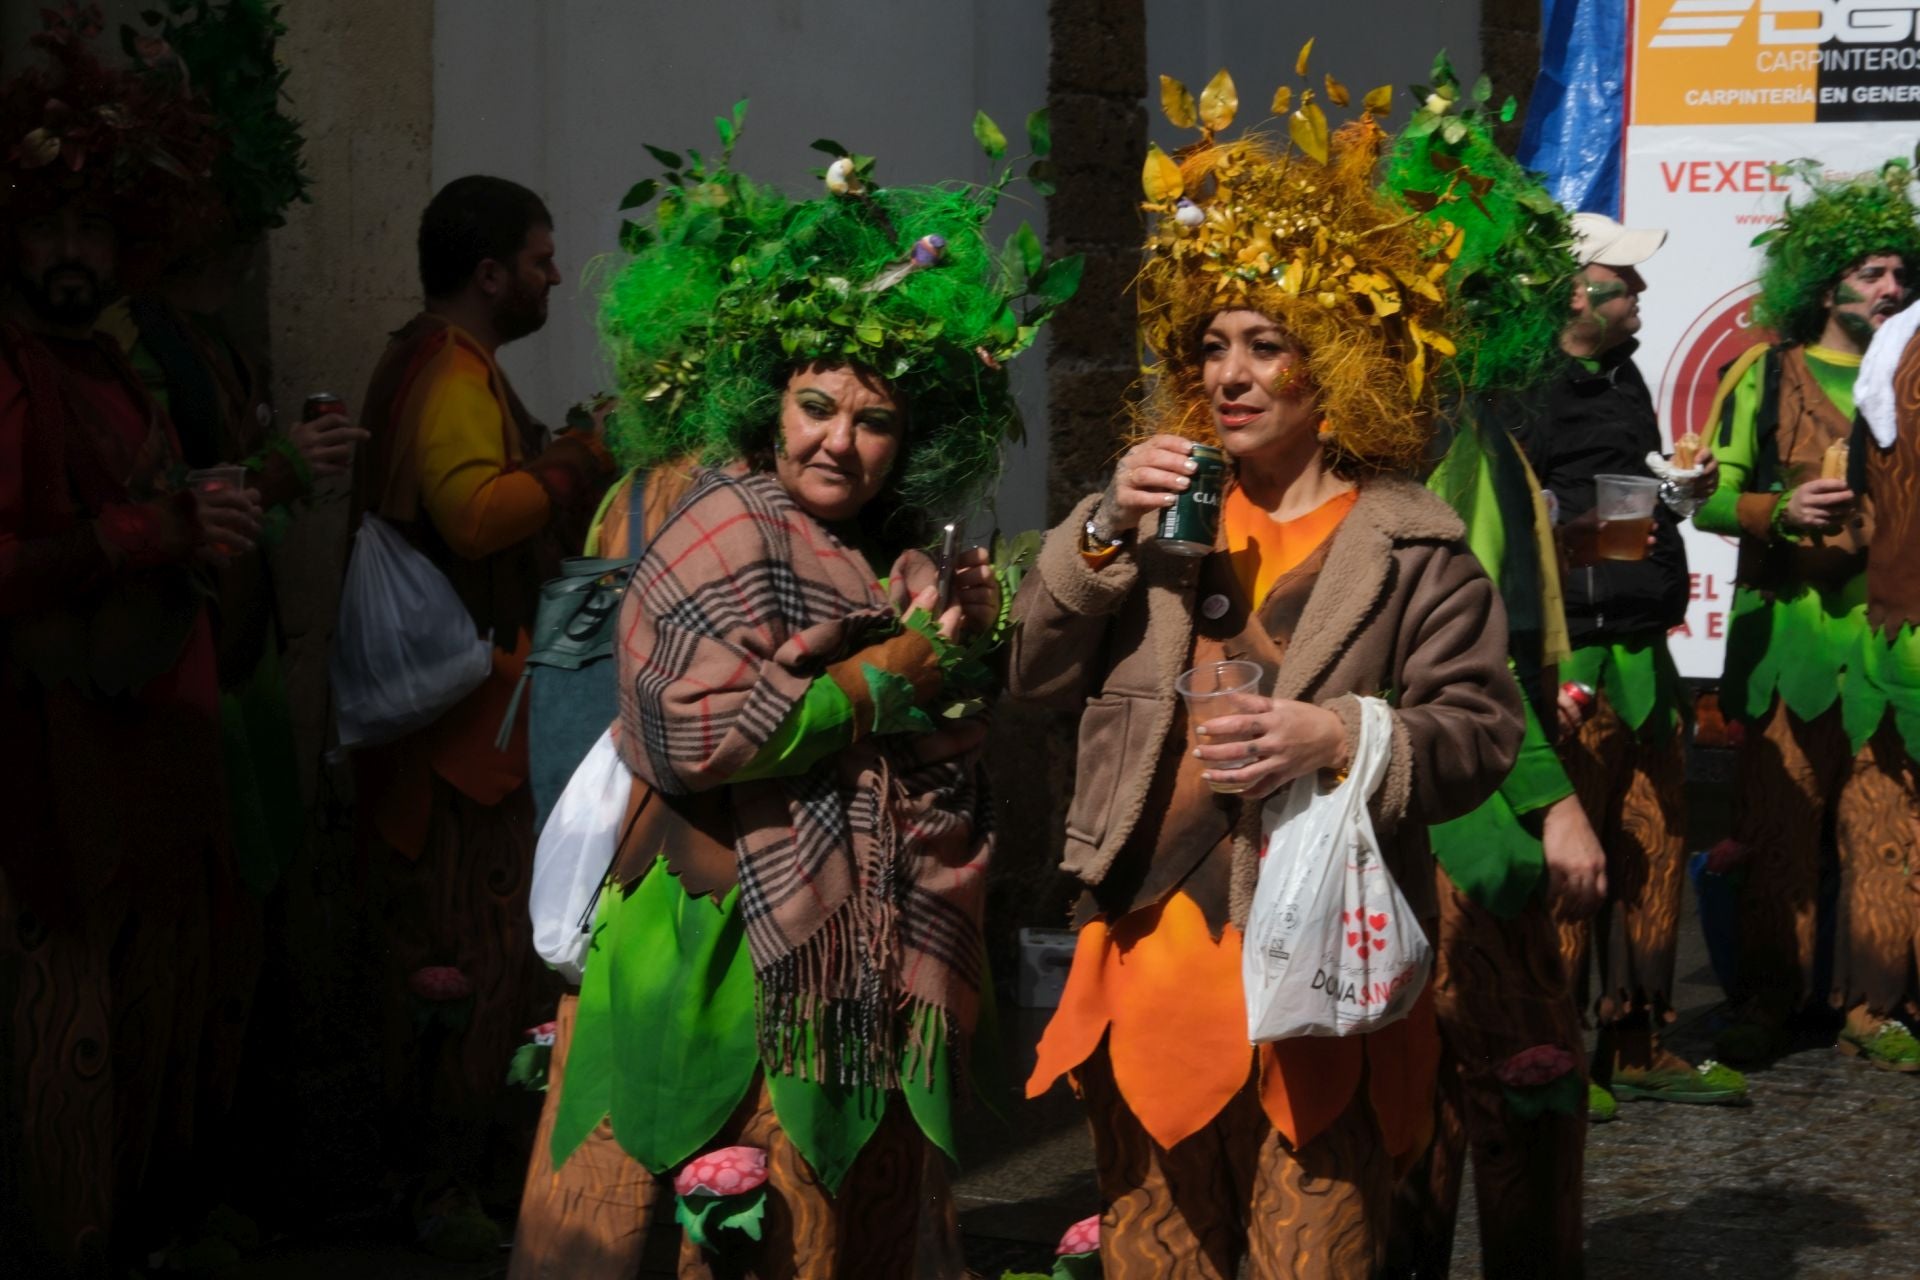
1333,577
1588,432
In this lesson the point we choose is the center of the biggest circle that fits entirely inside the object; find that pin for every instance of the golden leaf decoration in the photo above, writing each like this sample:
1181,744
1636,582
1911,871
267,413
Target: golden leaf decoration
1160,177
1219,102
1308,129
1282,101
1336,92
1300,63
1176,100
1379,102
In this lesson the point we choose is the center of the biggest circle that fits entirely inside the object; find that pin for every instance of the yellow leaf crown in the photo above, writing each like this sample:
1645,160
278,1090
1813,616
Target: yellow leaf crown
1295,231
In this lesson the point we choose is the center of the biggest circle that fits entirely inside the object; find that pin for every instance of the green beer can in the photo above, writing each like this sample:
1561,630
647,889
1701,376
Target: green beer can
1190,526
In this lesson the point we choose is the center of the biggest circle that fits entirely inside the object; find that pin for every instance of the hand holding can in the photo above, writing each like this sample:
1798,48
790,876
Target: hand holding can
325,438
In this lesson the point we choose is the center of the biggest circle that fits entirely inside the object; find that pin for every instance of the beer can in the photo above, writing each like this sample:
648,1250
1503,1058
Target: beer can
320,404
1191,525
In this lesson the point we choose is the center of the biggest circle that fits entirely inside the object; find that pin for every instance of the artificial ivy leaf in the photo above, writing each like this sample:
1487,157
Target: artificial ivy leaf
988,135
1160,177
895,704
1454,129
739,112
1061,280
827,145
1282,101
1308,129
724,127
638,194
1219,102
1442,70
1176,101
1040,132
1508,109
668,158
1379,102
1300,63
1027,245
870,332
1336,92
1422,124
1040,177
1483,87
634,236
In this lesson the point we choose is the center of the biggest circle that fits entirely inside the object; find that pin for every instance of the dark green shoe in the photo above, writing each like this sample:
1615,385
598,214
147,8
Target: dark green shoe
1709,1083
1889,1047
1600,1105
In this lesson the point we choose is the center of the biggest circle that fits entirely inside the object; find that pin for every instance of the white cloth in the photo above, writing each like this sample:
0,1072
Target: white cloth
1873,385
574,856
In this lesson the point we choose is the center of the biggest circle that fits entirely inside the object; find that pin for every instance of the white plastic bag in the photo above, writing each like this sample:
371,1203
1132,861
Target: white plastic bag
1331,948
575,854
404,649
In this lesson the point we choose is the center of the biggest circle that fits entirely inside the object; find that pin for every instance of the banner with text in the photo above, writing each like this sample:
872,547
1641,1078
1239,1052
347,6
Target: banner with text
1720,91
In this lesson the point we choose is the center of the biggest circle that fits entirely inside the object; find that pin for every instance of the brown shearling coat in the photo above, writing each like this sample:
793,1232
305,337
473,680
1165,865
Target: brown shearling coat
1401,607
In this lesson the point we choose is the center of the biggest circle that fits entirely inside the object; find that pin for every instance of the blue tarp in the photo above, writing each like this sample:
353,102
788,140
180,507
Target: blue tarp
1578,109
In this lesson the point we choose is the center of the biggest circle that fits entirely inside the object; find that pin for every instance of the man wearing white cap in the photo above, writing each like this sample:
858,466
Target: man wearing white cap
1621,740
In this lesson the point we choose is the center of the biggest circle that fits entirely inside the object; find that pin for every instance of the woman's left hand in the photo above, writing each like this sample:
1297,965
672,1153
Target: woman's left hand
1286,740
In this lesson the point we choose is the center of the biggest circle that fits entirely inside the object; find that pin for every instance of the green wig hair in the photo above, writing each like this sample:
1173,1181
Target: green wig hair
1820,239
730,285
1509,285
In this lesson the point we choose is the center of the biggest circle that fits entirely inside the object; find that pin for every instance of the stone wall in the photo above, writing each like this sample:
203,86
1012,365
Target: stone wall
1510,54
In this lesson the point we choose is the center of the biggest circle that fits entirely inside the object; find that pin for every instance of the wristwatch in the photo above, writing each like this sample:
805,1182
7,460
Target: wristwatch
1095,541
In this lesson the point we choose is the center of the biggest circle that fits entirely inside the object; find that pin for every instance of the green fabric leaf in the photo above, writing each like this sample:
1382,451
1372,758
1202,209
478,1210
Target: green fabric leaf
1564,1096
1491,857
829,1123
708,1220
1077,1266
895,704
682,1005
1026,247
926,1079
1061,279
587,1088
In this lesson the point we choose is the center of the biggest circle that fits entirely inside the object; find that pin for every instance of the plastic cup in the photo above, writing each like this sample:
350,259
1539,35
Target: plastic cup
223,479
1624,505
1215,689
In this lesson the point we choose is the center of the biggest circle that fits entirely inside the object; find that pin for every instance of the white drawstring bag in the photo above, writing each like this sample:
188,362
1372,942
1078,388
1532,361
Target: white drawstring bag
1331,947
404,648
574,856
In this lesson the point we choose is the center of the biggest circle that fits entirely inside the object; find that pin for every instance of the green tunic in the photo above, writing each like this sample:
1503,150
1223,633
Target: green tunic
1800,642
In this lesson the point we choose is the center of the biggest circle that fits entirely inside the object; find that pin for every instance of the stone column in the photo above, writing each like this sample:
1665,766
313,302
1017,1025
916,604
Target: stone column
341,273
1510,55
1097,75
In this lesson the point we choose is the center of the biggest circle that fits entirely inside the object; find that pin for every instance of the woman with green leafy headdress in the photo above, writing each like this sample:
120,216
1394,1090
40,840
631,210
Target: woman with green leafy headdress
1800,658
1511,1087
787,953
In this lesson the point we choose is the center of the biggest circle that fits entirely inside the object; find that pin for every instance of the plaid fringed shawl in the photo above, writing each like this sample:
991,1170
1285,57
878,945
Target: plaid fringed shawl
863,880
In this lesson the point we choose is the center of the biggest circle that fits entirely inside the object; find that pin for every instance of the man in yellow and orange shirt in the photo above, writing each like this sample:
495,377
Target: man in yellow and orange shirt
458,466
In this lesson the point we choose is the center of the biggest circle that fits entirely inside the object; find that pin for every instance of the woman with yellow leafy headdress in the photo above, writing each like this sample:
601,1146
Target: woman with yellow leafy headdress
1299,325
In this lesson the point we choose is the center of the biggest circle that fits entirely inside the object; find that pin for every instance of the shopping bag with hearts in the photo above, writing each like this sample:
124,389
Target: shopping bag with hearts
1331,947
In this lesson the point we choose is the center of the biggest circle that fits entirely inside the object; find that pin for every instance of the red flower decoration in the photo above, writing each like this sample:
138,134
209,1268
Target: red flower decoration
729,1171
545,1033
1531,1068
1082,1237
439,983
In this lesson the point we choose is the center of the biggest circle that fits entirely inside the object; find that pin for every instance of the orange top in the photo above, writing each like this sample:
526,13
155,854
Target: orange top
1264,549
1167,996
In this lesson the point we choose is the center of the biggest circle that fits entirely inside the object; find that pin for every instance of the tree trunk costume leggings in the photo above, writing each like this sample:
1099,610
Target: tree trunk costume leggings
1633,788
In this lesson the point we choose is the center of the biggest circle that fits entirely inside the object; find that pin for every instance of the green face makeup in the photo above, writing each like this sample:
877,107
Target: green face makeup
1601,292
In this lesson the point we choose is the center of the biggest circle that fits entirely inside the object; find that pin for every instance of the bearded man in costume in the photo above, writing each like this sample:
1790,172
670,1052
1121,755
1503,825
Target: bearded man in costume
1595,416
458,466
108,692
1838,264
786,973
1300,325
1512,1091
